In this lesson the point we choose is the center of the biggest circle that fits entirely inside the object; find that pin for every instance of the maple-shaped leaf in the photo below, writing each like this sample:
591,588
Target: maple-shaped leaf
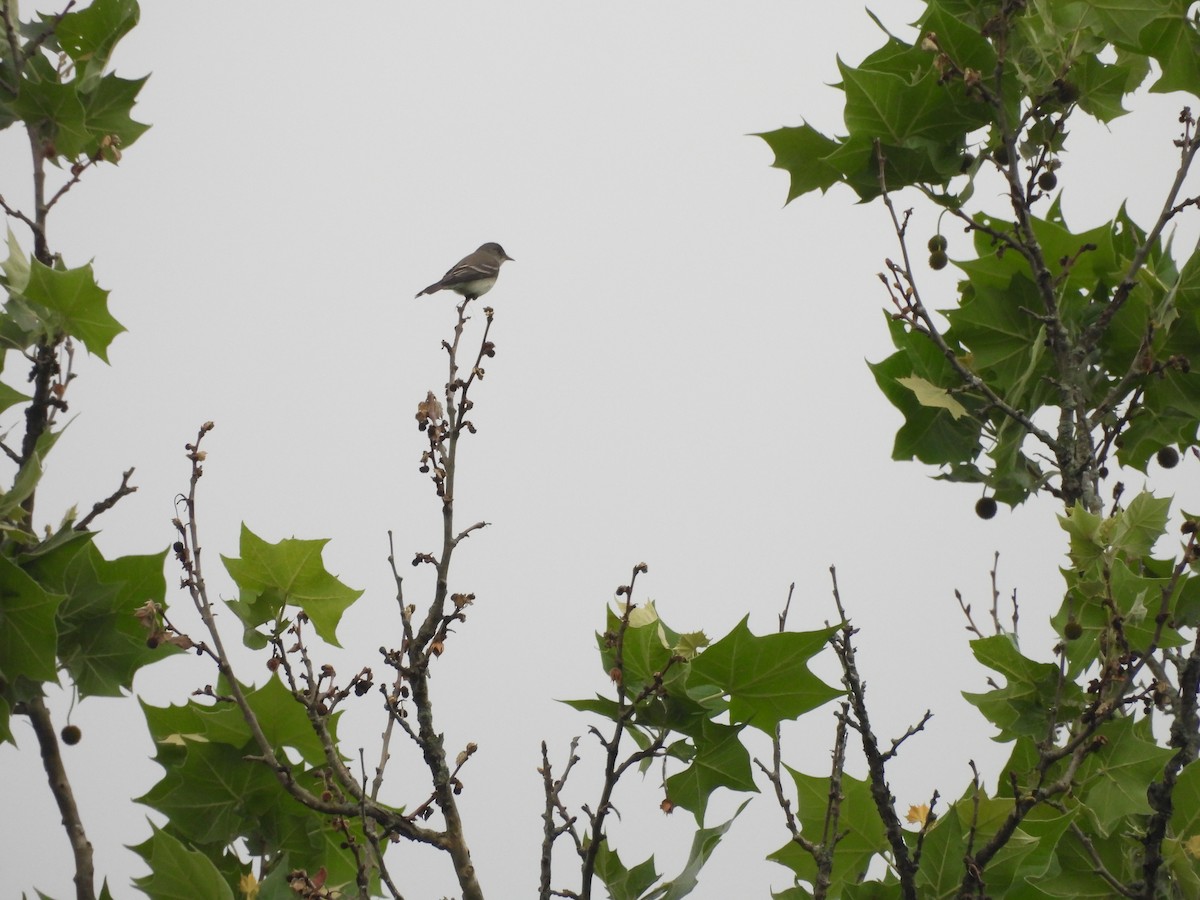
767,678
933,396
860,835
291,573
801,152
721,760
917,814
704,842
74,305
621,881
1112,780
29,638
89,35
107,115
281,717
178,871
1034,693
101,642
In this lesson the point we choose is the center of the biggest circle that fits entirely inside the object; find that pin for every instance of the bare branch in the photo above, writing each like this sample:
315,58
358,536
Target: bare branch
885,803
64,796
108,502
929,327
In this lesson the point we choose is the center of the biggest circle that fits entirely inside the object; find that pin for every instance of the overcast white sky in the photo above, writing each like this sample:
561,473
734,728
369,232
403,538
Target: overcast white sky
680,378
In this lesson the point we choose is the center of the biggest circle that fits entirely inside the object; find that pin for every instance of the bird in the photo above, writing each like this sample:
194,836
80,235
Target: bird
474,274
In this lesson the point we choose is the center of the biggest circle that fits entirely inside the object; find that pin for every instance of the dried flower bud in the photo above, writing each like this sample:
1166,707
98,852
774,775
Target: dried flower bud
428,410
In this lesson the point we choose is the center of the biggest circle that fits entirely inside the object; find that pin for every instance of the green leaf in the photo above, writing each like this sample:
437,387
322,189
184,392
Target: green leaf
1103,86
1020,855
1122,21
1088,543
963,42
28,631
89,35
1113,778
1173,41
1077,876
1077,261
1185,816
1026,857
101,642
767,678
601,706
1140,525
721,761
861,831
622,882
867,890
11,397
1167,416
931,435
802,152
895,96
1032,701
290,573
74,305
942,854
214,794
1186,606
54,110
177,872
1005,342
280,716
24,485
16,266
645,648
703,845
216,789
107,111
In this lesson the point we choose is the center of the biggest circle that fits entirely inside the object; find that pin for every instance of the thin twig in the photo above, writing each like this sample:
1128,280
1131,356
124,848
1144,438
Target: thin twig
64,796
885,803
124,490
930,329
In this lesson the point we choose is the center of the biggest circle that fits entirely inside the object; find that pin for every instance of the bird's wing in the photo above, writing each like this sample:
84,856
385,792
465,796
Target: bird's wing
469,269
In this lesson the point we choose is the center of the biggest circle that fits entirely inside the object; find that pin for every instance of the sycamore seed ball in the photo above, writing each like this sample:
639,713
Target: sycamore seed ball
1168,457
985,507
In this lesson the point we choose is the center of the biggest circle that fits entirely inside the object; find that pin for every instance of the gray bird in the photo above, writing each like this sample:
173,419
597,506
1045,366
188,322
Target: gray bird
473,275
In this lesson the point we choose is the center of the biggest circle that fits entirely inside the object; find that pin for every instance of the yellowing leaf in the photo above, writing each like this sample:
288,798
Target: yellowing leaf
918,815
931,395
248,886
181,740
643,615
690,644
